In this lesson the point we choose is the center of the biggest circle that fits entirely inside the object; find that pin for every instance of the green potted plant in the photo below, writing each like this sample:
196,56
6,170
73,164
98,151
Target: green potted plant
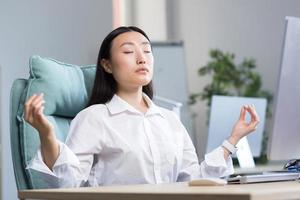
232,79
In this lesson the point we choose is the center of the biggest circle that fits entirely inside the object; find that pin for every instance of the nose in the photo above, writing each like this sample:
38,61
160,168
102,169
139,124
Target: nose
140,62
140,58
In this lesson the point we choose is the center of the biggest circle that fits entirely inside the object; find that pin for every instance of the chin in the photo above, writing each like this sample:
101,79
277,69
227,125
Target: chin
144,83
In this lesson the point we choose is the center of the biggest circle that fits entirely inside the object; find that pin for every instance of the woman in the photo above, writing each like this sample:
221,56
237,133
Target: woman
123,137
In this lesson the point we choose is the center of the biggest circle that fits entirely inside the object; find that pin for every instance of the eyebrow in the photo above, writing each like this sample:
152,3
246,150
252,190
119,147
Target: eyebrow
131,43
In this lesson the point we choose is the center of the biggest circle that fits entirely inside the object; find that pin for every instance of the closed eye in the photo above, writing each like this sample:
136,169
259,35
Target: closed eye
128,52
147,51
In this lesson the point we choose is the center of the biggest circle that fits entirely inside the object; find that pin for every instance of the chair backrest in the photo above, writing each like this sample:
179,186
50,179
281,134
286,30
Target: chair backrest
66,91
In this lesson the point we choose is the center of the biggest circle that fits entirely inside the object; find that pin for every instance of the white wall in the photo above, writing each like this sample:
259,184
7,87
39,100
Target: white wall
68,30
247,28
147,15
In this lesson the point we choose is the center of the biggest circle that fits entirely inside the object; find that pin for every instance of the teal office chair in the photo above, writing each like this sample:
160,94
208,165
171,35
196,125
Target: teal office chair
66,91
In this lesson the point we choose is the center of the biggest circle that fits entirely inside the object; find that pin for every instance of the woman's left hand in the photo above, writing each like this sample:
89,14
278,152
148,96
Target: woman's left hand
243,128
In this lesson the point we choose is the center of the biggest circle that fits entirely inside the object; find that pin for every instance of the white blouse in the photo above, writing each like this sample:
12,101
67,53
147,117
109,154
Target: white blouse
114,143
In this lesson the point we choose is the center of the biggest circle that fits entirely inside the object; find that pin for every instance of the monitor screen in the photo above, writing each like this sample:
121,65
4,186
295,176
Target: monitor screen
284,142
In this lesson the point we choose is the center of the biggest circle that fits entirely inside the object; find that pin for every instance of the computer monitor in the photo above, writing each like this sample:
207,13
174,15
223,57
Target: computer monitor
284,142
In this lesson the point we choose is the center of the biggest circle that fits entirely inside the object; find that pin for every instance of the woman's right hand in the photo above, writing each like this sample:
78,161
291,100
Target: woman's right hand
33,114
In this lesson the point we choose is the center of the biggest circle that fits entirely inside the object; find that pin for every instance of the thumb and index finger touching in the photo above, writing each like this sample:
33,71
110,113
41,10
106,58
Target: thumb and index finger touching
252,111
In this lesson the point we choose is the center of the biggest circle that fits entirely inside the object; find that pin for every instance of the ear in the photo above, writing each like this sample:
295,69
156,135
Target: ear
106,65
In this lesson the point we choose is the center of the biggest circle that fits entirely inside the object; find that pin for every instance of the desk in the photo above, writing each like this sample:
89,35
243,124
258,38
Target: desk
262,191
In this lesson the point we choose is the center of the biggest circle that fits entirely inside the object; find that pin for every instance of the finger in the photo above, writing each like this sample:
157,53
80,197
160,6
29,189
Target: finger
29,103
31,98
28,118
37,102
254,117
253,113
243,113
254,125
41,111
36,109
250,111
27,106
38,105
39,98
37,117
39,114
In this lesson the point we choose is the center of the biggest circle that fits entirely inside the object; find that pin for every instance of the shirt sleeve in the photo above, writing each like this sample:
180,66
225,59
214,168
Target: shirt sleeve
63,173
76,156
214,164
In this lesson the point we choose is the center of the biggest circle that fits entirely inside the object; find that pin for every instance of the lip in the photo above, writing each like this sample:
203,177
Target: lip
142,69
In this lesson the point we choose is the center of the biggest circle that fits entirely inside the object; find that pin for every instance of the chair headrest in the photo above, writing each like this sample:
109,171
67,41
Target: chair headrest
66,87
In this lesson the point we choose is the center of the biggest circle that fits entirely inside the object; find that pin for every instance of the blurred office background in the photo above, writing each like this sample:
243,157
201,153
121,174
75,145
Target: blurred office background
72,31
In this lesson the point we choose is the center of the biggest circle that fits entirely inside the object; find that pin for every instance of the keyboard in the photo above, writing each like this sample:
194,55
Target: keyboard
262,177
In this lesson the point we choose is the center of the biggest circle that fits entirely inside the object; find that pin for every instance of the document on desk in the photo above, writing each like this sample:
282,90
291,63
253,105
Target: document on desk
263,177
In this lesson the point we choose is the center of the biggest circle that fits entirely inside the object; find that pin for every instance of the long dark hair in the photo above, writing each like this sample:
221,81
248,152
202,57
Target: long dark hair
105,86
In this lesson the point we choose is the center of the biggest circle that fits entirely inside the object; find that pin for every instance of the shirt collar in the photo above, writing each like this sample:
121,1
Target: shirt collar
152,108
117,105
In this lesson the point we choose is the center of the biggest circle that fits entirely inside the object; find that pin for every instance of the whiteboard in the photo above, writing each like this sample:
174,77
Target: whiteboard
170,78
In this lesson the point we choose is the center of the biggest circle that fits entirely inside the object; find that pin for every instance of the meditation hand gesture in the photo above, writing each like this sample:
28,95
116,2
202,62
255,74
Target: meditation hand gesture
242,127
33,114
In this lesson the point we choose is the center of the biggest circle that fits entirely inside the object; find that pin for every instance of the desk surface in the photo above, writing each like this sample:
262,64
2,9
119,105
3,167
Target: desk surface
261,191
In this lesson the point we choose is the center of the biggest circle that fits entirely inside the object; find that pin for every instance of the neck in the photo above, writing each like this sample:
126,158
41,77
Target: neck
134,98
